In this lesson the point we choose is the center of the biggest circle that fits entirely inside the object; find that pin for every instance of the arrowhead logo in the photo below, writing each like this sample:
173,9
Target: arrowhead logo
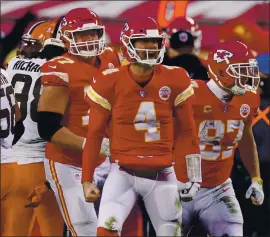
222,55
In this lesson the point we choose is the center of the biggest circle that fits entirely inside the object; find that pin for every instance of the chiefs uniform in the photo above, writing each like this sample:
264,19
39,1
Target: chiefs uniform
63,166
76,75
141,141
220,126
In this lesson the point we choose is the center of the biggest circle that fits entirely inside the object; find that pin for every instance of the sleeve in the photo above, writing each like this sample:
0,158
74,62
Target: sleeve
53,74
186,139
98,121
99,96
100,93
182,89
254,107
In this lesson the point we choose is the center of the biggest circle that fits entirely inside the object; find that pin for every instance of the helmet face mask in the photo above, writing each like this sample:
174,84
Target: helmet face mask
145,50
29,48
246,75
83,33
87,42
145,45
234,68
32,41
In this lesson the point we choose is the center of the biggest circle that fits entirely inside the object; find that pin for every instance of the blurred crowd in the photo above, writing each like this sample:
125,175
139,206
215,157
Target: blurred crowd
183,49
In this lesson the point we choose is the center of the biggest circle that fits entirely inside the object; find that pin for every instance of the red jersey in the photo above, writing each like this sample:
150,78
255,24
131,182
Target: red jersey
220,126
142,118
77,75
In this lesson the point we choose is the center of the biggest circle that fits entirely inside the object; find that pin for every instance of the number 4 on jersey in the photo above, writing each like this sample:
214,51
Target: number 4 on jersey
146,120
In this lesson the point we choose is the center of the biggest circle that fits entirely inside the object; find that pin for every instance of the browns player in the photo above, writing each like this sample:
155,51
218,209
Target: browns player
223,109
11,128
139,103
24,71
63,113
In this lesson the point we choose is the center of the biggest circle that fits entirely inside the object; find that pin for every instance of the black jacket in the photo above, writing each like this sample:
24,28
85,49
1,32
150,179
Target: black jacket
191,63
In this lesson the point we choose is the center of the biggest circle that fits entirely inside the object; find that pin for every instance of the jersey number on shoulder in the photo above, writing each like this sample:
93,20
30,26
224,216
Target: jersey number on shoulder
22,98
8,125
213,136
145,120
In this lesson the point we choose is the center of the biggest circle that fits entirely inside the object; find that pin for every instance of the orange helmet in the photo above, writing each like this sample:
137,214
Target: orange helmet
32,41
52,34
232,65
40,34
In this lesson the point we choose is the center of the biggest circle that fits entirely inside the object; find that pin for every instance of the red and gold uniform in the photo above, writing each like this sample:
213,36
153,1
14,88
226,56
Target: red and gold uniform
76,75
141,129
220,126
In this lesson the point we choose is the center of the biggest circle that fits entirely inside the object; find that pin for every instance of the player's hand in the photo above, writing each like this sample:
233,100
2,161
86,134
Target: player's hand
188,190
105,147
91,192
255,192
36,196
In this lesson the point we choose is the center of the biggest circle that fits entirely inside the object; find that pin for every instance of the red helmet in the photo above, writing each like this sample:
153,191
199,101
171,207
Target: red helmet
232,65
146,28
187,24
78,22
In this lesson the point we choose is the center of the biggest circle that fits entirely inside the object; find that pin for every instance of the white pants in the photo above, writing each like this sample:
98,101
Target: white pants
160,195
218,211
65,180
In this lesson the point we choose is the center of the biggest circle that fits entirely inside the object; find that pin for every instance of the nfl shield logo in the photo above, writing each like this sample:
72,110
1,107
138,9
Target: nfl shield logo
244,110
164,92
142,94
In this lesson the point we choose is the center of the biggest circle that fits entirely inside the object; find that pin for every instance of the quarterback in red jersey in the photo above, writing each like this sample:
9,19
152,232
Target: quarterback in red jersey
139,102
63,112
223,109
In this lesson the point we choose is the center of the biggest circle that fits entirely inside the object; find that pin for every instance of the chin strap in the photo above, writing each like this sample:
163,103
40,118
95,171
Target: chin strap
194,170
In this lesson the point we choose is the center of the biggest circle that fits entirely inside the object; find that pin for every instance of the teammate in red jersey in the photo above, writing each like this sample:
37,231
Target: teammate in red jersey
223,109
140,102
63,112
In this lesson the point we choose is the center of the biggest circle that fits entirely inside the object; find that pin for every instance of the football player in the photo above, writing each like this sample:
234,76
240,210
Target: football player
12,128
63,113
139,103
24,71
223,109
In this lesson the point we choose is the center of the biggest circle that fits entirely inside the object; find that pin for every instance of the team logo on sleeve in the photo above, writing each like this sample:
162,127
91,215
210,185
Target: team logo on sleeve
244,110
110,65
164,92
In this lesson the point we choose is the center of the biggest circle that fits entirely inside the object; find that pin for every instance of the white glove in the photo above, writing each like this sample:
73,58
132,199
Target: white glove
255,192
105,147
188,190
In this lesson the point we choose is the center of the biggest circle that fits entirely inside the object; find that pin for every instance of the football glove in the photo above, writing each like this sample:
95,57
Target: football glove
188,190
255,191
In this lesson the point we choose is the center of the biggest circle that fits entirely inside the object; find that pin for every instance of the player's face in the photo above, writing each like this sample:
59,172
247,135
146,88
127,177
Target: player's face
245,76
83,39
147,48
29,49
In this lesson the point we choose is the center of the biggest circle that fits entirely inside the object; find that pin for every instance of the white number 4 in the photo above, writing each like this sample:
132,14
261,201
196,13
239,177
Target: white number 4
146,120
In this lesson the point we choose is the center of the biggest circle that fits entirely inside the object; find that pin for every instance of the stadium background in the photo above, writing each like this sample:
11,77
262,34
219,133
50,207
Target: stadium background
247,21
